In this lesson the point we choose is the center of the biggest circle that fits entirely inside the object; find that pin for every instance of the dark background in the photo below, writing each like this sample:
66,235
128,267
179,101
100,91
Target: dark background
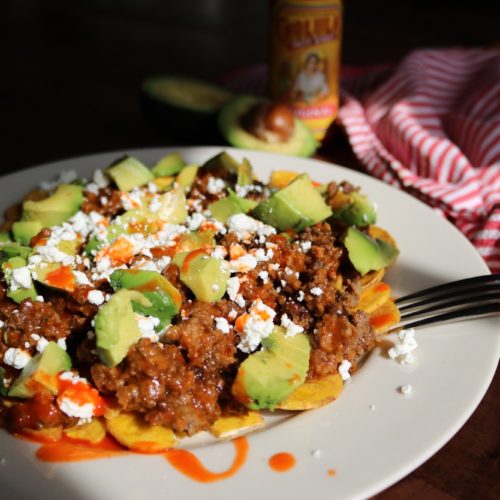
70,72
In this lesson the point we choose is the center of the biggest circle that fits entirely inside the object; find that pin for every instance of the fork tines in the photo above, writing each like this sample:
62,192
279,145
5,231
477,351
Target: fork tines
467,298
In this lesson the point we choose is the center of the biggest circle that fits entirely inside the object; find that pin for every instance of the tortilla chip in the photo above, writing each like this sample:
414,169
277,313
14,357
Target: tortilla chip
373,297
50,435
281,178
130,430
372,278
93,432
382,234
232,426
314,394
384,317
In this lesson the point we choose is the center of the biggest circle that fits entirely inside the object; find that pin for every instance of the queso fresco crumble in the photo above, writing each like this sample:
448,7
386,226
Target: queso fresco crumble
183,293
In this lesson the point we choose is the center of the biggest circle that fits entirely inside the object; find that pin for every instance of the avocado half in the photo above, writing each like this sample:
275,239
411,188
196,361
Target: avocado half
183,108
301,143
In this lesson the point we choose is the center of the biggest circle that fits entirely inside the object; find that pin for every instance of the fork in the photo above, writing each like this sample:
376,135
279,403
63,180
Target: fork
467,298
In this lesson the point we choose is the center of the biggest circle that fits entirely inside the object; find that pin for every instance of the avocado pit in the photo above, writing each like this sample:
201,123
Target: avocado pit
270,122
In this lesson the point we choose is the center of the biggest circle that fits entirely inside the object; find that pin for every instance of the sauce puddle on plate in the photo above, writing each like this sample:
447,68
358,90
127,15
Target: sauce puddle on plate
282,462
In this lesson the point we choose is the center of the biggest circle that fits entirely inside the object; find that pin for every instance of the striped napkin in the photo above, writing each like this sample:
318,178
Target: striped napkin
431,126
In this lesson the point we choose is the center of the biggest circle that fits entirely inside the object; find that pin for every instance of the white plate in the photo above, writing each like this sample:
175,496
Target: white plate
370,449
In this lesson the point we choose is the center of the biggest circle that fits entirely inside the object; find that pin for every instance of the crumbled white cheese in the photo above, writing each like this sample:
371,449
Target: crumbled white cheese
300,296
215,185
406,390
316,291
1,323
258,326
147,325
16,357
402,351
194,221
232,314
219,252
274,267
245,226
344,369
20,278
62,344
243,264
233,285
65,177
291,328
240,300
39,298
264,275
69,407
41,344
95,297
81,278
222,325
155,204
305,246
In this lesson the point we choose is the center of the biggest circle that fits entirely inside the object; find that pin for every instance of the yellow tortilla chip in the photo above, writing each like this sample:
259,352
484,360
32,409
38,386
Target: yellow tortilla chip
372,298
281,178
93,432
314,394
382,234
51,435
372,278
133,432
384,317
231,426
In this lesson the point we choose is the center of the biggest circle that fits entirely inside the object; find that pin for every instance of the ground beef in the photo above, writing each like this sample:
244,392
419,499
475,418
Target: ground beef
94,202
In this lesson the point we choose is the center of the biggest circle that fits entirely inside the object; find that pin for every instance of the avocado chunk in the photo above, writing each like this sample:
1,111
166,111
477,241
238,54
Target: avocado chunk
164,297
205,276
300,143
366,253
195,240
24,230
116,328
57,208
230,205
170,164
296,206
13,249
223,164
186,176
269,376
183,108
5,237
129,172
17,291
41,371
245,173
358,211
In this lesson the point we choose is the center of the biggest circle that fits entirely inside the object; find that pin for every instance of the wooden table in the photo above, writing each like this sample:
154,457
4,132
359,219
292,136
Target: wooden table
69,87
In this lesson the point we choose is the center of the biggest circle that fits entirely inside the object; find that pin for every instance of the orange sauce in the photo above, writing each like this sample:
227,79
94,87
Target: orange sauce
190,257
331,472
187,463
282,462
382,320
82,393
62,277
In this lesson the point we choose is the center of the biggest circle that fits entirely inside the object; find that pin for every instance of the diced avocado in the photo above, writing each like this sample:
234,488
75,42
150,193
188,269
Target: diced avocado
170,164
232,204
57,208
366,253
269,376
55,275
14,249
205,276
164,297
116,328
357,212
222,162
15,292
163,183
41,371
24,230
129,172
245,173
195,240
173,206
5,237
296,206
186,176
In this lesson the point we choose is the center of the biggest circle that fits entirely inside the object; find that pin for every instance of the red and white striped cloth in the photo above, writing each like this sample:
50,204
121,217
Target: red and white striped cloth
432,128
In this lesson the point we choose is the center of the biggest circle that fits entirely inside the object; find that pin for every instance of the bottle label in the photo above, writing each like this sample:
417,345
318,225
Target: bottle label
306,59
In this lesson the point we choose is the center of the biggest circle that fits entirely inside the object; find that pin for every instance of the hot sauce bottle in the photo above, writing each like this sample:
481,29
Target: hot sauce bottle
305,59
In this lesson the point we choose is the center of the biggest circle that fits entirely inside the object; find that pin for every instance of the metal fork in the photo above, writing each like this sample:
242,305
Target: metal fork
467,298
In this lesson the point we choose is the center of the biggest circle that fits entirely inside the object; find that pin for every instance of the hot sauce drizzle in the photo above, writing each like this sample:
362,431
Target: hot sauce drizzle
282,462
187,463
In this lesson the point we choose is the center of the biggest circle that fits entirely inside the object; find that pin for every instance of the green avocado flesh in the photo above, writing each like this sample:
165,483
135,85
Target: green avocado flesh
269,376
366,253
5,237
17,294
129,172
170,164
205,276
13,249
164,297
358,212
301,142
116,328
296,206
23,231
230,205
186,176
57,208
41,370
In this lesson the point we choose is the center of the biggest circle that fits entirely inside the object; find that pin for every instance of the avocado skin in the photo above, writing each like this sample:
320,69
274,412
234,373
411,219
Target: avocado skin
51,361
182,124
301,143
366,253
269,376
